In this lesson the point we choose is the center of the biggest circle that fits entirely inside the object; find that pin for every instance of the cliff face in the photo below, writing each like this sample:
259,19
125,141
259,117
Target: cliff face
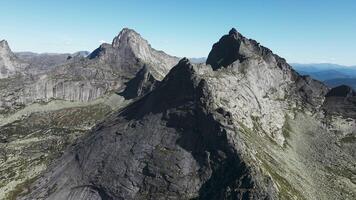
243,126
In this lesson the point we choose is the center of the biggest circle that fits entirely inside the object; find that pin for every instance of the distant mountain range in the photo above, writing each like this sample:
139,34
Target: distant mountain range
46,61
331,74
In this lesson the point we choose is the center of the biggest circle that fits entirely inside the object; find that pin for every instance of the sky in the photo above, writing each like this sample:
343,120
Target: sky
303,31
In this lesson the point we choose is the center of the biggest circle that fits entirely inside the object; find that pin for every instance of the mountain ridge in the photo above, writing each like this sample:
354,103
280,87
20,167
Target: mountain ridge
245,125
213,131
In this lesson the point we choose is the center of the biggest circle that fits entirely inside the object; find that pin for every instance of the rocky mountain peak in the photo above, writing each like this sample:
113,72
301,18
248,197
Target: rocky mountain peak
4,44
233,32
226,50
4,48
128,48
235,47
9,63
127,37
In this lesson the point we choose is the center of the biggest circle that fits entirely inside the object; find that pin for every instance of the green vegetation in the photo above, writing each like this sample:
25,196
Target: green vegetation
348,139
32,143
286,190
21,189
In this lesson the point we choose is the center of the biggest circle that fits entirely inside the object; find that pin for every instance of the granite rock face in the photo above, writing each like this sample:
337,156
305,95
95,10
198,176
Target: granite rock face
9,63
172,145
243,126
129,48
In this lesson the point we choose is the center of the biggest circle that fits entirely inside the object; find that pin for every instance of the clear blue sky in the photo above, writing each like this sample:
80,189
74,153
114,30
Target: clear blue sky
305,31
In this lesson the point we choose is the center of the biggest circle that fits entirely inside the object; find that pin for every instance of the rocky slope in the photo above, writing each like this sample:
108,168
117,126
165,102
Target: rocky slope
244,126
46,108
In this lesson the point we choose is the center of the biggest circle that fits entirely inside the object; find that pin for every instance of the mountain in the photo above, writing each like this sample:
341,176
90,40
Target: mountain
341,81
9,63
244,125
107,69
320,67
331,74
326,75
129,48
47,108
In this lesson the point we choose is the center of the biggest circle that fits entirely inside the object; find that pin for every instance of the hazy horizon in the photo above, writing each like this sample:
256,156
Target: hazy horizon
302,32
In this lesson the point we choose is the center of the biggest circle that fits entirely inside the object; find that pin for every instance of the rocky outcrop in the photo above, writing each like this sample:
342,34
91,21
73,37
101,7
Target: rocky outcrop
226,51
143,83
9,63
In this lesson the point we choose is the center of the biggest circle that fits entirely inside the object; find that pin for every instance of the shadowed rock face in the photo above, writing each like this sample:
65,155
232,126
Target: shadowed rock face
171,144
143,83
341,91
226,51
341,100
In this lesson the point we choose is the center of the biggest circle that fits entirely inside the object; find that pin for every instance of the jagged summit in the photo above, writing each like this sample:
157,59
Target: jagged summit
128,49
4,44
235,47
233,31
5,49
225,51
125,35
9,63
